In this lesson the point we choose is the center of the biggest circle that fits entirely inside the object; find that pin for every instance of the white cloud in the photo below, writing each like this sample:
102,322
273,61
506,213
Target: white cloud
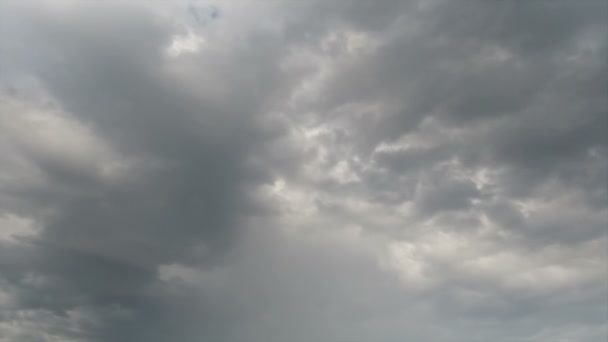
14,227
184,44
49,135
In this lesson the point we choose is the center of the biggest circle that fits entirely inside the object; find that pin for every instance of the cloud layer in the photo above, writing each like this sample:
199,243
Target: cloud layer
303,171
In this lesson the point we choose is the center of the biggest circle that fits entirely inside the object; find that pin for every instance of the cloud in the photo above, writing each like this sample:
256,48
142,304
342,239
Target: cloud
327,171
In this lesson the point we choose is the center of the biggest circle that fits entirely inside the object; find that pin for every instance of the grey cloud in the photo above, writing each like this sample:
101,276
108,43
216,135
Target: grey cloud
102,242
447,195
328,171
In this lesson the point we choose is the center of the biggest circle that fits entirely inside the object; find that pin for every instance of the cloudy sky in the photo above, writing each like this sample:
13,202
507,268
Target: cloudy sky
303,171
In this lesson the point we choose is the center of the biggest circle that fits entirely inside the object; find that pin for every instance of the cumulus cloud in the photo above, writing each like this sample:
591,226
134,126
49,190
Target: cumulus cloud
289,171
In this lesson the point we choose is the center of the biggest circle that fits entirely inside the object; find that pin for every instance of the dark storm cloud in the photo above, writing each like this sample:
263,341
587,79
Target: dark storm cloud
103,242
328,171
462,61
111,77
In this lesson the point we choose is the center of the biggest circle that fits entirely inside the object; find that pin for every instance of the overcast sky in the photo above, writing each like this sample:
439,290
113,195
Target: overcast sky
303,171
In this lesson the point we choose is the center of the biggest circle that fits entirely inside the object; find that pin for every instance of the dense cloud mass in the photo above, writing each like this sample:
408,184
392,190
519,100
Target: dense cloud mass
304,171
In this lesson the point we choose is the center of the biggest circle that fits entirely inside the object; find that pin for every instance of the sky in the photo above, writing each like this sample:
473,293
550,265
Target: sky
303,171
